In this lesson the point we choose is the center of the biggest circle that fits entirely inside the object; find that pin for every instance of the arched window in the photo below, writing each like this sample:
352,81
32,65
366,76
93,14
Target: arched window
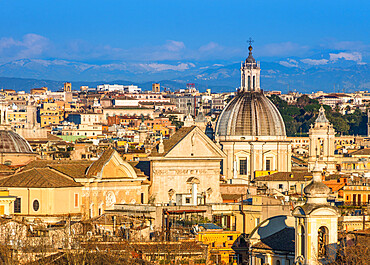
322,241
278,262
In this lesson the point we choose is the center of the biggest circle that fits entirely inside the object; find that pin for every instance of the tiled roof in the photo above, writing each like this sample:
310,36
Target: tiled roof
98,165
362,152
172,142
231,197
50,137
39,178
284,176
5,168
51,163
282,240
74,170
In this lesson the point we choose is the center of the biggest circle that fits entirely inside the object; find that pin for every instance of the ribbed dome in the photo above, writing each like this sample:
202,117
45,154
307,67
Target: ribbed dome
250,114
12,142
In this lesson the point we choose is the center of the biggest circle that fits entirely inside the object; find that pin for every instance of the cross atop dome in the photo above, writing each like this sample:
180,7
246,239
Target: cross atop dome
250,41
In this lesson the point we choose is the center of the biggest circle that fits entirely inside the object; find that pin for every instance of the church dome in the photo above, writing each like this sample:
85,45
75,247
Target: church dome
250,113
12,142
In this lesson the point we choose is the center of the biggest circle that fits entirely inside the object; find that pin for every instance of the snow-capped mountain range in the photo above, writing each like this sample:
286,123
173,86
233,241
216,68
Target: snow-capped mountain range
343,70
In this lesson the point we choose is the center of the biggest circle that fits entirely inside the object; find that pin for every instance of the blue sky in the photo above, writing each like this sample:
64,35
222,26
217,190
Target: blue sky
187,30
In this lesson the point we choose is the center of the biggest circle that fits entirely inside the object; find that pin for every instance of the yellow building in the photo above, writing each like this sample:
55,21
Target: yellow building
43,192
219,244
54,189
5,202
110,180
356,195
17,116
49,119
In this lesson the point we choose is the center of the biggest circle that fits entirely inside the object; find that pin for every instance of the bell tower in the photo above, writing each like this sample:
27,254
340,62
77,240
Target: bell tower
321,148
316,224
250,73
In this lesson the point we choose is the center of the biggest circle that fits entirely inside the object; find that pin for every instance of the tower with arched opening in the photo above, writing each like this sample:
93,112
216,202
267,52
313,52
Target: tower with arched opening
316,224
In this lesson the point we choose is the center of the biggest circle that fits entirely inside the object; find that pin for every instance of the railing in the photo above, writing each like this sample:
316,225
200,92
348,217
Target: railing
356,203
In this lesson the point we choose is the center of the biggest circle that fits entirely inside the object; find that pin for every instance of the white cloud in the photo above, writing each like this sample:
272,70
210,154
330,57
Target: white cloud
210,47
30,46
314,62
349,56
174,46
289,63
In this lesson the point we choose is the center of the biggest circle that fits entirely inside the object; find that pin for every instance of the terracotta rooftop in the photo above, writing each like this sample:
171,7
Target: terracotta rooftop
51,163
362,152
172,142
74,170
50,137
39,178
284,176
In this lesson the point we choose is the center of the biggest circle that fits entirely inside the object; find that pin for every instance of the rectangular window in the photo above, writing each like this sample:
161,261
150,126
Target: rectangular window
268,164
243,167
17,205
77,203
187,200
142,198
281,186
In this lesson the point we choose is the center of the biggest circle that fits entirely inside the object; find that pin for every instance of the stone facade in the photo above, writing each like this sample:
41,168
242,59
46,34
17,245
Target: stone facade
189,162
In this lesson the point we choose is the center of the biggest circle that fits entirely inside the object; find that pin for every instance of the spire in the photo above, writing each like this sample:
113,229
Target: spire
250,58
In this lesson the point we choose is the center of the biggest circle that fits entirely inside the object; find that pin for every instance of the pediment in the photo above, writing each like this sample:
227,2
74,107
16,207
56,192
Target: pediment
270,152
242,153
197,145
117,168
